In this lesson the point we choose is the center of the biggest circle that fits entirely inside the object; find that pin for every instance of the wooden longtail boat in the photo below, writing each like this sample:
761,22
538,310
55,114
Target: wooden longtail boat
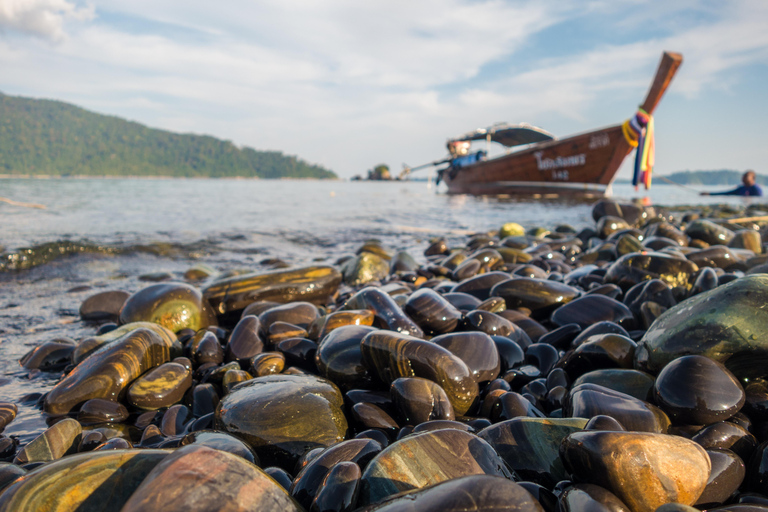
583,164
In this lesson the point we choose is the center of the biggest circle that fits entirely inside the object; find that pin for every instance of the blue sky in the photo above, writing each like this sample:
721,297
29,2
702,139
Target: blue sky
350,84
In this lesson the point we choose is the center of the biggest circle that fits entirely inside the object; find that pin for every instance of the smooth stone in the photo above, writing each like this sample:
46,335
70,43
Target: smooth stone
59,440
280,331
591,309
221,441
599,352
476,493
706,280
590,498
512,405
588,400
425,459
103,305
709,232
387,312
747,239
543,356
205,398
511,229
85,482
310,284
364,268
160,387
631,382
175,306
9,473
403,262
369,416
602,422
476,349
91,439
299,352
89,345
50,356
8,413
99,410
541,296
487,322
390,355
725,478
510,352
533,330
340,359
418,400
197,478
108,372
530,446
642,470
431,312
654,290
245,341
174,420
467,269
726,324
480,286
309,480
462,301
696,390
431,425
299,313
284,416
715,256
338,492
116,443
267,363
208,349
728,436
633,268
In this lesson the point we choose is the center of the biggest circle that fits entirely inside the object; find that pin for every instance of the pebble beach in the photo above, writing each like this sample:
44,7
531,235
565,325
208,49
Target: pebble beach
616,360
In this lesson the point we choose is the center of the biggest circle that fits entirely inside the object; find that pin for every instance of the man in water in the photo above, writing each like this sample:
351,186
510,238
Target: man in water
749,187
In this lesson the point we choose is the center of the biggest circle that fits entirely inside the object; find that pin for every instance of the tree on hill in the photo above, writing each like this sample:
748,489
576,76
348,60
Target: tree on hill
379,173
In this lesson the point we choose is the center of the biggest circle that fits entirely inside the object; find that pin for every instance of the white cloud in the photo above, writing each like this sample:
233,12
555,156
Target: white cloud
346,82
42,18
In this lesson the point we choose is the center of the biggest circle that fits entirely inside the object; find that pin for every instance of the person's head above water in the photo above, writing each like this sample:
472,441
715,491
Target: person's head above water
749,178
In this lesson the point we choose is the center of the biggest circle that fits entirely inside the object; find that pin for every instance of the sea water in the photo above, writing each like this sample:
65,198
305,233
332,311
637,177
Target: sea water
100,234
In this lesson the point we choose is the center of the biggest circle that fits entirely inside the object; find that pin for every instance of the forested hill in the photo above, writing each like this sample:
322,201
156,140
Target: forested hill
721,177
43,137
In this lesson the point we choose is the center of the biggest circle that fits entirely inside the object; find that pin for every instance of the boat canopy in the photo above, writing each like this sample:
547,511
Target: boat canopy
509,135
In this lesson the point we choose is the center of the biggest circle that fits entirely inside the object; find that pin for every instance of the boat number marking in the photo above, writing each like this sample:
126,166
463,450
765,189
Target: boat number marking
560,175
550,164
599,141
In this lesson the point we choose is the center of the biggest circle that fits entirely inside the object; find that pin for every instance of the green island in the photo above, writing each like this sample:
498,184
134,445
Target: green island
714,177
53,138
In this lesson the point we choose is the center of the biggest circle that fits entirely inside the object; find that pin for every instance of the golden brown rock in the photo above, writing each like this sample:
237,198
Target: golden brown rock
644,470
109,371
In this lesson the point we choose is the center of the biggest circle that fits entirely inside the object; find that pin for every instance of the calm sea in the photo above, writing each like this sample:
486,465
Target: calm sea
98,234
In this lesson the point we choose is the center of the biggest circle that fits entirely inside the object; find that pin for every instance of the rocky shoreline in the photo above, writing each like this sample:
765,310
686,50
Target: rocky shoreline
621,367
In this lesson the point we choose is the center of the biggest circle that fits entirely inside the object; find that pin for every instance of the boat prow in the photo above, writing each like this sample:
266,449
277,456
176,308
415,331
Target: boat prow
584,164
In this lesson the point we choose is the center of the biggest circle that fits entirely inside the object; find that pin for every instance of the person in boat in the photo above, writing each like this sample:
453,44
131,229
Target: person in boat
749,187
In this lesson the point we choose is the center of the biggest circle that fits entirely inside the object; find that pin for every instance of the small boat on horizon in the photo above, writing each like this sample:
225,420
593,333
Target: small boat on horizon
584,164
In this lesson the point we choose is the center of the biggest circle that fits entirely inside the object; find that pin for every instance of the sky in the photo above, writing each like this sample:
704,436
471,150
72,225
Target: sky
350,84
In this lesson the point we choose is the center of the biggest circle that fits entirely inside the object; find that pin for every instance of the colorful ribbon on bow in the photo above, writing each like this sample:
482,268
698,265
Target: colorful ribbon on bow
639,133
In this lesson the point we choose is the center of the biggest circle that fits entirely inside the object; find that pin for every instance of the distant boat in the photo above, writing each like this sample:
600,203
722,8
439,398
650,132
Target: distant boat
583,164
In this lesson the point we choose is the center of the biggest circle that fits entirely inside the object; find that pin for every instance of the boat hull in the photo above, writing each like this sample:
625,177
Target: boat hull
582,165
